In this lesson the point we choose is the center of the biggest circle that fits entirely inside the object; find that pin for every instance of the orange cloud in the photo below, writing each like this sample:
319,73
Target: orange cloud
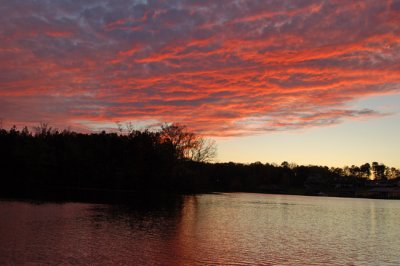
249,69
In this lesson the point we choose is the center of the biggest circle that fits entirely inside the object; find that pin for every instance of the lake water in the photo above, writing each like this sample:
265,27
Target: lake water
210,229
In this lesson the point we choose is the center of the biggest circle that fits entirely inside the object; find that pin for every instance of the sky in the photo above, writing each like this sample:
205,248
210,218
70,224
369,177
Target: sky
311,82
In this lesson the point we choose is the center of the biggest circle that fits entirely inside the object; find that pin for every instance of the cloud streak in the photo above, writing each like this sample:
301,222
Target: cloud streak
224,68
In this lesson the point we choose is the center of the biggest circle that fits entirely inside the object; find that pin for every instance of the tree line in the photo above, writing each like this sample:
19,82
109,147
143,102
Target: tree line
170,159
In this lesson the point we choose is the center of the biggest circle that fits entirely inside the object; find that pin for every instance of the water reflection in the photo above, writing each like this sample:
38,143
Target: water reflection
226,229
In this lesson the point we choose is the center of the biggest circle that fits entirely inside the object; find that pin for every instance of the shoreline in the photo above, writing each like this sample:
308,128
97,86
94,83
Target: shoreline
118,196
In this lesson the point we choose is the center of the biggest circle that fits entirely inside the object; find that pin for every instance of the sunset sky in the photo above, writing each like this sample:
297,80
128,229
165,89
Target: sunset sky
311,82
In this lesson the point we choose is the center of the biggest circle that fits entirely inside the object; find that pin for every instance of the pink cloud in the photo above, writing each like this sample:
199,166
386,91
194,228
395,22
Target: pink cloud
253,67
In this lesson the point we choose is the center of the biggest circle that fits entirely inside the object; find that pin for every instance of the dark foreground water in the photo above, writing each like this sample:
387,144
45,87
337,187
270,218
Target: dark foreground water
215,229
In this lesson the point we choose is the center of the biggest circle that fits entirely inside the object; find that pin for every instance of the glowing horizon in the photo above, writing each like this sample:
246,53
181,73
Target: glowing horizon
236,71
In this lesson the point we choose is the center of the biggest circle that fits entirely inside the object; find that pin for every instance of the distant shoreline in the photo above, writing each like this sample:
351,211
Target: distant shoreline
118,196
49,164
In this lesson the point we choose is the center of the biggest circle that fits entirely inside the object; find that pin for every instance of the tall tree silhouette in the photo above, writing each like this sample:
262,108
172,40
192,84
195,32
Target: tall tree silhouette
365,170
187,144
379,171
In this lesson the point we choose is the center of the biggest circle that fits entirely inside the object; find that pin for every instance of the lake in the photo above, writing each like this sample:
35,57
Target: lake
207,229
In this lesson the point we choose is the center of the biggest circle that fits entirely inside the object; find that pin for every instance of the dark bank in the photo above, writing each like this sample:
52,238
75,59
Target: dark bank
52,165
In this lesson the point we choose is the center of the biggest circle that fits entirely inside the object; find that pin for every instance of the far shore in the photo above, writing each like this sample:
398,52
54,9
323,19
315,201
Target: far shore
120,196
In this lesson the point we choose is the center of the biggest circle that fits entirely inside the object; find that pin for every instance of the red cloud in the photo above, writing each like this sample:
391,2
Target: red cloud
247,70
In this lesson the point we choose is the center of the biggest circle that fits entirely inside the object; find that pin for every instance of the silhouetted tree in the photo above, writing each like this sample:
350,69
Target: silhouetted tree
187,144
354,171
392,173
365,170
379,171
43,130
